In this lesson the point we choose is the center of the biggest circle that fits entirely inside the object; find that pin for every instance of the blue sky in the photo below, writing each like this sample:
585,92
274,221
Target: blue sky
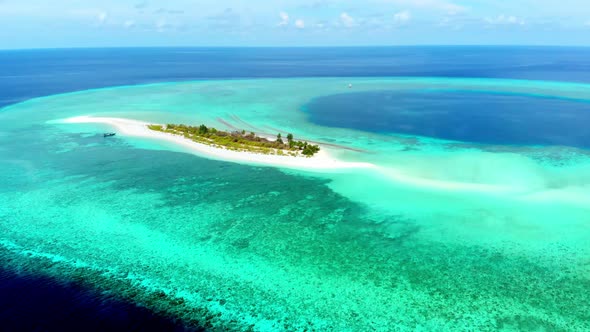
77,23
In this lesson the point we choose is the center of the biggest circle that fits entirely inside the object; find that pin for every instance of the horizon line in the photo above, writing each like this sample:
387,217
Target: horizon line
291,47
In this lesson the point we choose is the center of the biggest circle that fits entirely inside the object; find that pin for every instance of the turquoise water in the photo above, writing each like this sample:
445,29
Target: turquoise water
443,235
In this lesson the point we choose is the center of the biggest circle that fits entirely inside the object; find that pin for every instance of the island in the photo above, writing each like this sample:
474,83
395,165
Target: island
240,140
236,146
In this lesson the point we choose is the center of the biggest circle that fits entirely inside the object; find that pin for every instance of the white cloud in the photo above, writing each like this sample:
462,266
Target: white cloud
402,17
284,19
300,24
451,22
95,17
505,20
446,6
141,5
227,20
129,24
162,25
102,17
587,23
453,9
347,20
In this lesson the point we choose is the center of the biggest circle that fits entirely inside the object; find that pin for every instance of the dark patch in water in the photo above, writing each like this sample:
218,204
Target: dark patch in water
35,303
468,116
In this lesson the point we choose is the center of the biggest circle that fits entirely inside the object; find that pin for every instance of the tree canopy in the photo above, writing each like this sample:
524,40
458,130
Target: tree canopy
239,140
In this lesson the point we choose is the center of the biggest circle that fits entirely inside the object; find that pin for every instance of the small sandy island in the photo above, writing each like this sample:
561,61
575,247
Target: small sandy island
135,128
322,161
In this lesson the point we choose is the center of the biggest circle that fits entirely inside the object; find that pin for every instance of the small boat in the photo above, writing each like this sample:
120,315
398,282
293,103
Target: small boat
350,86
108,134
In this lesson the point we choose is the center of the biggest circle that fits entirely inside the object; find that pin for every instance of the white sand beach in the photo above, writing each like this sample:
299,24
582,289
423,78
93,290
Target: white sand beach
135,128
322,161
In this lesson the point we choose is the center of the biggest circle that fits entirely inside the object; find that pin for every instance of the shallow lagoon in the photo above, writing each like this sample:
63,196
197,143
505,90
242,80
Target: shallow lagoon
447,234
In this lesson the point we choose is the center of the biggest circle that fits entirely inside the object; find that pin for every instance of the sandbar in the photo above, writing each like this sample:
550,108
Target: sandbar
135,128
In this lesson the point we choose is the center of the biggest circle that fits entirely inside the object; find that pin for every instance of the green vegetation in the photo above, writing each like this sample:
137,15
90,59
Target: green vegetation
239,140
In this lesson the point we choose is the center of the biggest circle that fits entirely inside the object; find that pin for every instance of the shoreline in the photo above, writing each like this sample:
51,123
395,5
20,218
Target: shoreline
322,161
135,128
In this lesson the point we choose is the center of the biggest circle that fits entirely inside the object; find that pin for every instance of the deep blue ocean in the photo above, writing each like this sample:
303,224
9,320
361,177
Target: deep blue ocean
468,116
26,74
31,303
